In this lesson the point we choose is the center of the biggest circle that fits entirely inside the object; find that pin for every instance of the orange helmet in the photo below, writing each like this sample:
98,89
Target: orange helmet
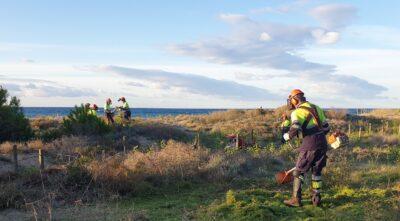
296,92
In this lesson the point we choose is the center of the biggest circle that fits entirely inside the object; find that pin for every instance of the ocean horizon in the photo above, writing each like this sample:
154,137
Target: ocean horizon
32,112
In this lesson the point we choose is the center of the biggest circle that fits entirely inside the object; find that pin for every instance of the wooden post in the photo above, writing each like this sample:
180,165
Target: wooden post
103,154
41,159
370,128
123,143
382,129
359,132
15,158
387,126
399,129
252,137
237,141
349,133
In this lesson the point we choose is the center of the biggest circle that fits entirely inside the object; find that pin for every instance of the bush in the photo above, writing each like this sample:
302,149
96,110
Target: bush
13,124
79,122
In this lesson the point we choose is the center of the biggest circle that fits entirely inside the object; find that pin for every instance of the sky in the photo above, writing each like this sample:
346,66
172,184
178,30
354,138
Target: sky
201,54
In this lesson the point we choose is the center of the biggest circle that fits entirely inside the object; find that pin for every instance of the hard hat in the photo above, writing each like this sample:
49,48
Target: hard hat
296,92
121,99
95,106
108,100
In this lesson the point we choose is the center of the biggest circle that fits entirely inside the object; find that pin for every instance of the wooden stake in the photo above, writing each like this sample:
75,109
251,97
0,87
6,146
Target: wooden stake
399,129
15,158
41,159
370,128
237,141
252,137
123,143
349,129
359,132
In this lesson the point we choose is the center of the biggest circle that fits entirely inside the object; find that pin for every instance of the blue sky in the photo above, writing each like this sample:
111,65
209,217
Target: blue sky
201,53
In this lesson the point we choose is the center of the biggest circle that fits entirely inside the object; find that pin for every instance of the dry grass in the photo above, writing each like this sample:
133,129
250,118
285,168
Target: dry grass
263,123
384,140
384,113
336,114
44,123
171,164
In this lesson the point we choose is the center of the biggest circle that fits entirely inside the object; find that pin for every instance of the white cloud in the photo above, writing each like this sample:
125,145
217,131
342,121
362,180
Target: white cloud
334,16
325,37
193,84
284,8
281,52
233,18
25,87
265,37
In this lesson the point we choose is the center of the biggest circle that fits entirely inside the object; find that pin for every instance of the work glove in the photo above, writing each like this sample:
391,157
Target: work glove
286,137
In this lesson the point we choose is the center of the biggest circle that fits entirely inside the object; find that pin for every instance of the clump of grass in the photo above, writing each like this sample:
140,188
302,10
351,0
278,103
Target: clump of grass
384,140
337,114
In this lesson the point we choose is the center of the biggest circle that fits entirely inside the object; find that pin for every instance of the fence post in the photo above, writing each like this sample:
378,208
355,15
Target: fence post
103,154
359,132
41,159
15,158
349,129
237,141
370,128
252,137
399,129
123,143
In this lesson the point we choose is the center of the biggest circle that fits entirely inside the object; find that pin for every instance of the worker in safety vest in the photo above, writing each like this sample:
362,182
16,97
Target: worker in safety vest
93,110
108,111
285,126
87,107
309,120
125,108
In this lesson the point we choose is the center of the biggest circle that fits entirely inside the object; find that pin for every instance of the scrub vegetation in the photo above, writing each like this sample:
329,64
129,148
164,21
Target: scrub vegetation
181,168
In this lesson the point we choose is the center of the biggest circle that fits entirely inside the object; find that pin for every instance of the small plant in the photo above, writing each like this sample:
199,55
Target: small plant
230,197
13,124
79,122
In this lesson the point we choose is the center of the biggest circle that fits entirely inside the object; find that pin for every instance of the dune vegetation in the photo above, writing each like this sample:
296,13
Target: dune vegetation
182,168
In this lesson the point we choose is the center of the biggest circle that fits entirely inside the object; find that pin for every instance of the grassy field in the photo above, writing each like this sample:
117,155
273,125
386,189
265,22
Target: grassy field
150,169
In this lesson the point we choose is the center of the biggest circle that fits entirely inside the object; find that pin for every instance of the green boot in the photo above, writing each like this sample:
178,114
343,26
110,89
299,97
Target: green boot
295,201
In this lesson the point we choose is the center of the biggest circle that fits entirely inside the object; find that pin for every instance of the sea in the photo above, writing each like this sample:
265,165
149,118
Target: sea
33,112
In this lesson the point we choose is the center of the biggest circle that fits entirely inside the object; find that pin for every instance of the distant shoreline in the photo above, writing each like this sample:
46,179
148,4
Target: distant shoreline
33,112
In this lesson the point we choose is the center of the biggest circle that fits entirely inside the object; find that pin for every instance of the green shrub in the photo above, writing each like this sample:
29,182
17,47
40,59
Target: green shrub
79,122
13,124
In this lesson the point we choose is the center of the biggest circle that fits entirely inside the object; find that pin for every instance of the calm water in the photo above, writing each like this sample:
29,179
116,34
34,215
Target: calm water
141,112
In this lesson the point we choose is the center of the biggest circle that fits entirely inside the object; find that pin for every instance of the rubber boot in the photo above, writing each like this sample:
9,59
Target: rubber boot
316,198
295,201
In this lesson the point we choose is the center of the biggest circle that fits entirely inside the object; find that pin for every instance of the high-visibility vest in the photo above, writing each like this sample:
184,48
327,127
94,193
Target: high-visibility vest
302,117
285,123
107,107
92,112
125,105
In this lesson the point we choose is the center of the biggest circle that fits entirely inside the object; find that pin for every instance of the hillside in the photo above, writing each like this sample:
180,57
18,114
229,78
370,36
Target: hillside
152,169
